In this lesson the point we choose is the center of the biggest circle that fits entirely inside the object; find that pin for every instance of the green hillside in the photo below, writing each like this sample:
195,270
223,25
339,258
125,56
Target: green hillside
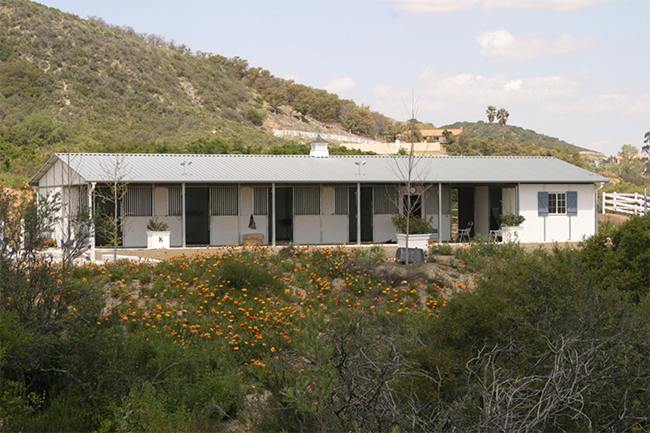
513,134
68,83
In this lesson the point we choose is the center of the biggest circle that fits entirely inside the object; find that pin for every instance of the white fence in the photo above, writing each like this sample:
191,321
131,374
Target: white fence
634,204
343,138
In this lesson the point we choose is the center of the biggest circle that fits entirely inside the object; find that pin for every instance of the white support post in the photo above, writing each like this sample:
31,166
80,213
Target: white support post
517,200
358,213
273,212
439,212
183,214
92,223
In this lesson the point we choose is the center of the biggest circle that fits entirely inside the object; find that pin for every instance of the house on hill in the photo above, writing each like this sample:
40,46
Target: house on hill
439,134
322,199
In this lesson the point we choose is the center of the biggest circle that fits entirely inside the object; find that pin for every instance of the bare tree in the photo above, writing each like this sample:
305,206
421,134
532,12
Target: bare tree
112,224
412,170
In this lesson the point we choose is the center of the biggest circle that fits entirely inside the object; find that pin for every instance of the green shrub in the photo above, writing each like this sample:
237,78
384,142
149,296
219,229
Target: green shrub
256,117
443,249
621,261
417,225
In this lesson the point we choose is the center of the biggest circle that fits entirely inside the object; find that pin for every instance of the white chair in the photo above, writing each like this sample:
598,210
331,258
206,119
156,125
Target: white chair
496,234
465,233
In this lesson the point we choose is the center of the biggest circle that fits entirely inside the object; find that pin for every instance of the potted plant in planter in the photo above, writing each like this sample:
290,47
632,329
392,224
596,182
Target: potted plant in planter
157,234
419,231
511,226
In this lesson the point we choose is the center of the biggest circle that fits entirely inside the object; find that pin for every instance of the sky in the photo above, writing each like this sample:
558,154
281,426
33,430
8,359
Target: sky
578,70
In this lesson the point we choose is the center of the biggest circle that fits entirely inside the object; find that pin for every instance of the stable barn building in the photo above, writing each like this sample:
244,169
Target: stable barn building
322,199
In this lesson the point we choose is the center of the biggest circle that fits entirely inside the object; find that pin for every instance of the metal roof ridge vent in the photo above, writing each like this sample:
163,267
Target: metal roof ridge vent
319,148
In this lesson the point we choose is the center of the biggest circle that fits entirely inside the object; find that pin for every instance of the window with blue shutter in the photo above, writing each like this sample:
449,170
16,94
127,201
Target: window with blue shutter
572,202
542,203
557,203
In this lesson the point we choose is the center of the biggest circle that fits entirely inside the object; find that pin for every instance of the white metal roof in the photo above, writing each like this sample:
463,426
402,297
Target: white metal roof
168,168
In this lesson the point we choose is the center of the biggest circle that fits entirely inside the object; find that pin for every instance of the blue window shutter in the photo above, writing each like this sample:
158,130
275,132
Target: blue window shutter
542,203
572,202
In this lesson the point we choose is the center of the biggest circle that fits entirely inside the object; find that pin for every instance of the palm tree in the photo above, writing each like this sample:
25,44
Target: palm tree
502,116
491,114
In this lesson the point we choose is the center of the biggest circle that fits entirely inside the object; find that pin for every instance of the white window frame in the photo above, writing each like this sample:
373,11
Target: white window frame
557,203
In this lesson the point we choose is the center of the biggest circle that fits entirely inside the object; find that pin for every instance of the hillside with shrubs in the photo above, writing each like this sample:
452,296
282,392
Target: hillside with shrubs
491,338
85,85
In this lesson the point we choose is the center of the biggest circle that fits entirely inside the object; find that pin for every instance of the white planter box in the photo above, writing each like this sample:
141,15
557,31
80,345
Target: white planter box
415,241
511,234
157,240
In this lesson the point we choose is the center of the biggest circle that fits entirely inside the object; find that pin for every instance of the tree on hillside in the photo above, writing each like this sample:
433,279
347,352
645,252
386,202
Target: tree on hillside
630,168
502,116
646,149
491,114
628,151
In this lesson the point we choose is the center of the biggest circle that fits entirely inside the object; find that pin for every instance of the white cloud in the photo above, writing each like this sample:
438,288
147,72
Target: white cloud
497,89
465,96
556,105
548,5
428,6
381,91
614,103
340,85
502,46
641,106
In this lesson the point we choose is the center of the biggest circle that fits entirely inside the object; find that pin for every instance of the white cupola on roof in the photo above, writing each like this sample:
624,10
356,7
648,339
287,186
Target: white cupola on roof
319,147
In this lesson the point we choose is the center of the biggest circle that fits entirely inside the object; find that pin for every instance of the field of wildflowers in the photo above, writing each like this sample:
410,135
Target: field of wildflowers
325,339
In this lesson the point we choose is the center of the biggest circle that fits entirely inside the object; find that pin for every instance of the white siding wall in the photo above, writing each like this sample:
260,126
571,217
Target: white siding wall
246,205
58,175
135,232
328,200
509,201
261,226
383,229
176,230
306,229
56,180
160,199
224,230
557,228
482,210
335,229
